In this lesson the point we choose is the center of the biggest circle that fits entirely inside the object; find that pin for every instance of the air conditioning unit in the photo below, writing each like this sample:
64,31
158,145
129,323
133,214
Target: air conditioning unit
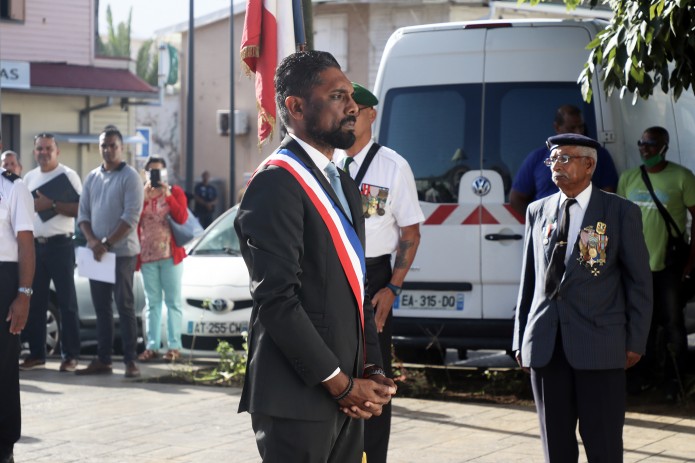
241,122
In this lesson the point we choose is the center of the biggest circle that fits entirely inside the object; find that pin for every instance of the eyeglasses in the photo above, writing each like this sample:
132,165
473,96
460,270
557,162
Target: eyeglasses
562,159
647,143
361,108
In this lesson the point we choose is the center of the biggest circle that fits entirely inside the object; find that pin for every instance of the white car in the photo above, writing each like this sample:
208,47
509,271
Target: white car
215,290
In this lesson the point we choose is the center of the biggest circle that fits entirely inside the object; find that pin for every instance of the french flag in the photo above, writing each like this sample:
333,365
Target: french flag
268,37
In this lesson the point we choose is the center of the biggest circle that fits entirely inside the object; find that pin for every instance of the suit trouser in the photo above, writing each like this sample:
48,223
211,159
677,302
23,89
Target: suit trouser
102,297
377,430
283,440
55,260
595,398
10,410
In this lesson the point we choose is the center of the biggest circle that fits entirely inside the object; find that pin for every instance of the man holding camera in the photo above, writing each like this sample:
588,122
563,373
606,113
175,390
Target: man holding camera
110,208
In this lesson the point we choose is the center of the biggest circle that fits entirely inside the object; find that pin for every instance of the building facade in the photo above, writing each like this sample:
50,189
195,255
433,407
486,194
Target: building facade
52,81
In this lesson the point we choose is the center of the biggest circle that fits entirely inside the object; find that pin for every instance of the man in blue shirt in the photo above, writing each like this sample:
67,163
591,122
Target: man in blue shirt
205,199
533,180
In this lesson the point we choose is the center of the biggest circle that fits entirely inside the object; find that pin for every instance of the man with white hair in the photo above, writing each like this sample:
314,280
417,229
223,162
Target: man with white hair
584,306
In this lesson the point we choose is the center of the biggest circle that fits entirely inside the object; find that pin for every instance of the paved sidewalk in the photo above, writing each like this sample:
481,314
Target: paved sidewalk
105,419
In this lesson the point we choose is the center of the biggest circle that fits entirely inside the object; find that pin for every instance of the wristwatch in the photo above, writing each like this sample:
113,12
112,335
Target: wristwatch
26,291
396,290
105,242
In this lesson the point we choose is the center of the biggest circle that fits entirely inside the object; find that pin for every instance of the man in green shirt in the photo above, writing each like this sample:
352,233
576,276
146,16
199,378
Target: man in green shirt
674,185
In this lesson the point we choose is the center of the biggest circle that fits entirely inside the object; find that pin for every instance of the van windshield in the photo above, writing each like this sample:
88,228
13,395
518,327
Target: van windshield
438,129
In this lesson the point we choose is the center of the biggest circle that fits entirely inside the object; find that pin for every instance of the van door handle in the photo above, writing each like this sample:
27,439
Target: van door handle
501,237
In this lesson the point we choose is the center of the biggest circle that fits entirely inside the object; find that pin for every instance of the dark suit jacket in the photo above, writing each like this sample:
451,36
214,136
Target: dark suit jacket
601,315
305,321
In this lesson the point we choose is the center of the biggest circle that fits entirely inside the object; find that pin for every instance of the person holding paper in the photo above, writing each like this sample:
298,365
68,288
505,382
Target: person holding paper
54,225
160,259
109,212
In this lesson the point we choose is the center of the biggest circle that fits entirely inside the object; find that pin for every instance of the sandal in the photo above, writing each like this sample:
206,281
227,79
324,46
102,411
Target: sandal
172,355
148,355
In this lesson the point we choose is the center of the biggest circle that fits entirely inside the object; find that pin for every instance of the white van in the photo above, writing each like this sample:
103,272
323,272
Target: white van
464,103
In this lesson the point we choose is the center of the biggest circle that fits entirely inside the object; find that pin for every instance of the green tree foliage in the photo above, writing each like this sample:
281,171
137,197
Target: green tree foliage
118,39
647,44
147,63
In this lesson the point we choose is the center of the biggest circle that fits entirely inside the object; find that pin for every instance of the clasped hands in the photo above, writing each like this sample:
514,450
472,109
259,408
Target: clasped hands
367,397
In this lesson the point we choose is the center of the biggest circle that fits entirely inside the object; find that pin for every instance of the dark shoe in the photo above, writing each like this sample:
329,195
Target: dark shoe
7,458
131,370
32,364
69,365
95,367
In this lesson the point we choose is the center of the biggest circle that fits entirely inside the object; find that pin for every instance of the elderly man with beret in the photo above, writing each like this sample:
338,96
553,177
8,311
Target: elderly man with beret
584,306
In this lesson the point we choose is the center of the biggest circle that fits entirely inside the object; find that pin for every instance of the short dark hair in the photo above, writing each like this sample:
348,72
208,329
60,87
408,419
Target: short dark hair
659,132
46,135
564,111
110,131
153,160
297,75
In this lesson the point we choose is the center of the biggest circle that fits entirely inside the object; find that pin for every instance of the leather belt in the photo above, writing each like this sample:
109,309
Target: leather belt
381,260
52,239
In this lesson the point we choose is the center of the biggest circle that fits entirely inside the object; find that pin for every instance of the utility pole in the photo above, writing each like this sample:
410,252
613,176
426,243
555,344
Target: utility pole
232,136
189,101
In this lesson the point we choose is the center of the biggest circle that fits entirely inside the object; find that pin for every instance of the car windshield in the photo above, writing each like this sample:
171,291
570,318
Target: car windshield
220,237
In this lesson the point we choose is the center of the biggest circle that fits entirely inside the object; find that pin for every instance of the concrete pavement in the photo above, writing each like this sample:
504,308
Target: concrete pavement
105,419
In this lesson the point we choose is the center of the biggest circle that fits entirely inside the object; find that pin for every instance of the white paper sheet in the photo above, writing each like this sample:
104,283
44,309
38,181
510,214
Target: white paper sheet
103,270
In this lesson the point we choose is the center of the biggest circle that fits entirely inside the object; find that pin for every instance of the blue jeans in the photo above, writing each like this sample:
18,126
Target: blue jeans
162,276
103,295
55,260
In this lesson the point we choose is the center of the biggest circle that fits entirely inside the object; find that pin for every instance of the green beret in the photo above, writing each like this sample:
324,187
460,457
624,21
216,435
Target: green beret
363,97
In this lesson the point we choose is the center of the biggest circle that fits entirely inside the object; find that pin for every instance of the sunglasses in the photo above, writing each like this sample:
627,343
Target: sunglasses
647,143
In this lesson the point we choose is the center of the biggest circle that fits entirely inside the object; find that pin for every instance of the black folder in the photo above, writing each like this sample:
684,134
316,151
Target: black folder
58,189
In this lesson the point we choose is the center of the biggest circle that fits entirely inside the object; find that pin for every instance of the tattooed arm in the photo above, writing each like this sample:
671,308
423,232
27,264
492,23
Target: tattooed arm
405,254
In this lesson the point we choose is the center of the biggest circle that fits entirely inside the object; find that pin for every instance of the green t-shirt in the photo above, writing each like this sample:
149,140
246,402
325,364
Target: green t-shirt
675,188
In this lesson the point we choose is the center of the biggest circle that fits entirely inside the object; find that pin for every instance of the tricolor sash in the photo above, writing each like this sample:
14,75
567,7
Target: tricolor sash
347,243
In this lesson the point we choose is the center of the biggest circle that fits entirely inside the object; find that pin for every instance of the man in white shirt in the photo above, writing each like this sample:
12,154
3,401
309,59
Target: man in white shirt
54,225
392,221
16,274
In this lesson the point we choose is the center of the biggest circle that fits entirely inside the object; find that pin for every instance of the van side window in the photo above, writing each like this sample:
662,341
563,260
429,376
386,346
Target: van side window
438,129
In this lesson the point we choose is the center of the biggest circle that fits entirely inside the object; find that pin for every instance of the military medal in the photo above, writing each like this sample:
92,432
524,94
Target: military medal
373,200
592,247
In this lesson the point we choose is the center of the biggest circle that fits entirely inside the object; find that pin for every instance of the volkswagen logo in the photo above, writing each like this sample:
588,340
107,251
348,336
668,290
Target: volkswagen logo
481,186
219,306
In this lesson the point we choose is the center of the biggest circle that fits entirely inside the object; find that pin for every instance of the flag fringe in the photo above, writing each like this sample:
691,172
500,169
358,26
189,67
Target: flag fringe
264,117
250,51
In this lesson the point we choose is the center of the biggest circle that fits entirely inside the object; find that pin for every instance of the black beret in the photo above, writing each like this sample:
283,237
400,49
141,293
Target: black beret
363,97
571,139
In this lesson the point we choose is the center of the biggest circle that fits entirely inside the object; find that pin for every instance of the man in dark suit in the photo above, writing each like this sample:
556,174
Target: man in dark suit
313,369
584,306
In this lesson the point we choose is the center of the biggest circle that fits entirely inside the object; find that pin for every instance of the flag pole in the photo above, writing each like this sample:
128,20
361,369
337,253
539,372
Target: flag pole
232,136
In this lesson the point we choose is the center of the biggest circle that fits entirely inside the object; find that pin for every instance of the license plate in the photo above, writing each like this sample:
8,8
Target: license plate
217,328
429,300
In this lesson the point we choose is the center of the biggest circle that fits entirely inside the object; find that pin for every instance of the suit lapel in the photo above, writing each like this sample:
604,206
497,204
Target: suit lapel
292,145
550,223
